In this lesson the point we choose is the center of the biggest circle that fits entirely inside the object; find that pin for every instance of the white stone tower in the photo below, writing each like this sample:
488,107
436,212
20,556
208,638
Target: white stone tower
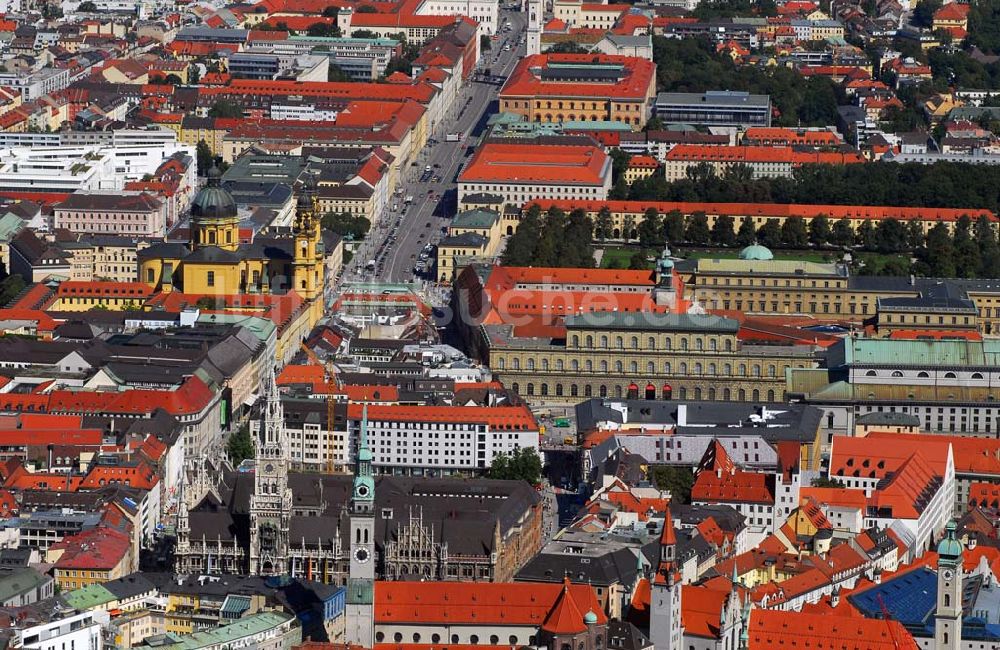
948,615
361,581
271,502
536,15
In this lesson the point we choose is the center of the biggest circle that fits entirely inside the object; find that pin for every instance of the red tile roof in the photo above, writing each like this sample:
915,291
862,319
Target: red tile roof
771,629
484,604
835,497
720,481
701,609
507,418
98,549
766,210
761,154
972,455
534,163
634,84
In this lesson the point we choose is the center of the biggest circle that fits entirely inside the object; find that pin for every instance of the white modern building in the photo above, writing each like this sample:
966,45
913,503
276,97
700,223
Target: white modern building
484,12
67,169
79,632
33,85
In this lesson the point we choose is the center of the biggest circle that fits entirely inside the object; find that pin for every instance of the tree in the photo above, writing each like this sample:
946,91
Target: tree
628,226
11,286
240,446
203,153
331,11
770,234
225,108
654,124
914,235
819,230
937,257
485,44
650,229
366,9
336,73
865,237
673,227
638,261
966,249
842,233
794,233
676,480
747,234
697,231
87,7
923,14
619,163
567,47
723,233
208,302
890,236
603,225
194,75
989,250
346,223
323,30
823,482
522,465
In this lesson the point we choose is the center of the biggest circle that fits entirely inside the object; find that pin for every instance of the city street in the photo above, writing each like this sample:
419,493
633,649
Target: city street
434,202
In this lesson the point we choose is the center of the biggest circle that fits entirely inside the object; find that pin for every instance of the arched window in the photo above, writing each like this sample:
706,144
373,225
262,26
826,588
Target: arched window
684,368
711,369
729,345
574,364
397,637
531,389
635,342
559,390
743,370
576,340
713,345
603,391
416,637
588,391
619,342
711,393
922,375
684,343
697,393
604,342
977,375
619,367
530,364
871,373
574,390
949,375
633,367
494,639
756,395
699,345
618,391
651,343
668,344
559,364
590,341
697,368
726,394
650,367
666,367
589,365
604,366
742,395
474,639
770,396
756,370
897,373
516,363
545,365
500,363
771,370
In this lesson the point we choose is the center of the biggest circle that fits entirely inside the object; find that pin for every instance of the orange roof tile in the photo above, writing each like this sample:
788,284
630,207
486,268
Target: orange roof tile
766,210
526,81
835,497
510,418
770,628
534,163
466,603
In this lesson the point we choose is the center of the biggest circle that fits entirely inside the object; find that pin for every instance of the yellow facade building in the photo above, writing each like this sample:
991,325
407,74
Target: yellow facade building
216,263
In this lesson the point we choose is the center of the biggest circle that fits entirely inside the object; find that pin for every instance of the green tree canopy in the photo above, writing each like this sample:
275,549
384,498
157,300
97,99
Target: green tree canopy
225,108
522,465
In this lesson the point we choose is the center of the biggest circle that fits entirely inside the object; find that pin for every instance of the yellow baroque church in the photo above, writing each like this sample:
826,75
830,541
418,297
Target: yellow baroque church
215,263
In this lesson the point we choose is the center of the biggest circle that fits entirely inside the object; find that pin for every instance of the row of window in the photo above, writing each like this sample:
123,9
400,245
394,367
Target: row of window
619,366
652,344
682,393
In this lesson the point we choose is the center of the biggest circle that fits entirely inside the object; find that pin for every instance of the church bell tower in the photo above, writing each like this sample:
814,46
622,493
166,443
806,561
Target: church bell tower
948,615
361,581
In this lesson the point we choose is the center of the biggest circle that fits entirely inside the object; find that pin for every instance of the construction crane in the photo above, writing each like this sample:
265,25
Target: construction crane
330,379
888,621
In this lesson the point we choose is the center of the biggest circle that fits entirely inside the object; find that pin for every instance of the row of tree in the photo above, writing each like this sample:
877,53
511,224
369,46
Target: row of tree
557,240
939,185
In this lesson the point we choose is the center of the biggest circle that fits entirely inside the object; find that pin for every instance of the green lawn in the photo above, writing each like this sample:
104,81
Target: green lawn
621,257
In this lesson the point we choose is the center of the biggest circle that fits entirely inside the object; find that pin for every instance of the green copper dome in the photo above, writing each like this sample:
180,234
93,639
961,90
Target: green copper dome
949,548
590,618
213,201
756,252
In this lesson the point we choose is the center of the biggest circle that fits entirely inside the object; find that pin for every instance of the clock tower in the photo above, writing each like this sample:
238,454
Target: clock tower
361,582
271,502
948,615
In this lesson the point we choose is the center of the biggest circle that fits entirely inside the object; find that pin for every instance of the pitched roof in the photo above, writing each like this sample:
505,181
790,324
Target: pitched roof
462,603
771,628
538,163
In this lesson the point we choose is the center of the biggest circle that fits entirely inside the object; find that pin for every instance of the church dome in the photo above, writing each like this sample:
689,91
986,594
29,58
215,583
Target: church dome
590,618
213,201
950,547
756,252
